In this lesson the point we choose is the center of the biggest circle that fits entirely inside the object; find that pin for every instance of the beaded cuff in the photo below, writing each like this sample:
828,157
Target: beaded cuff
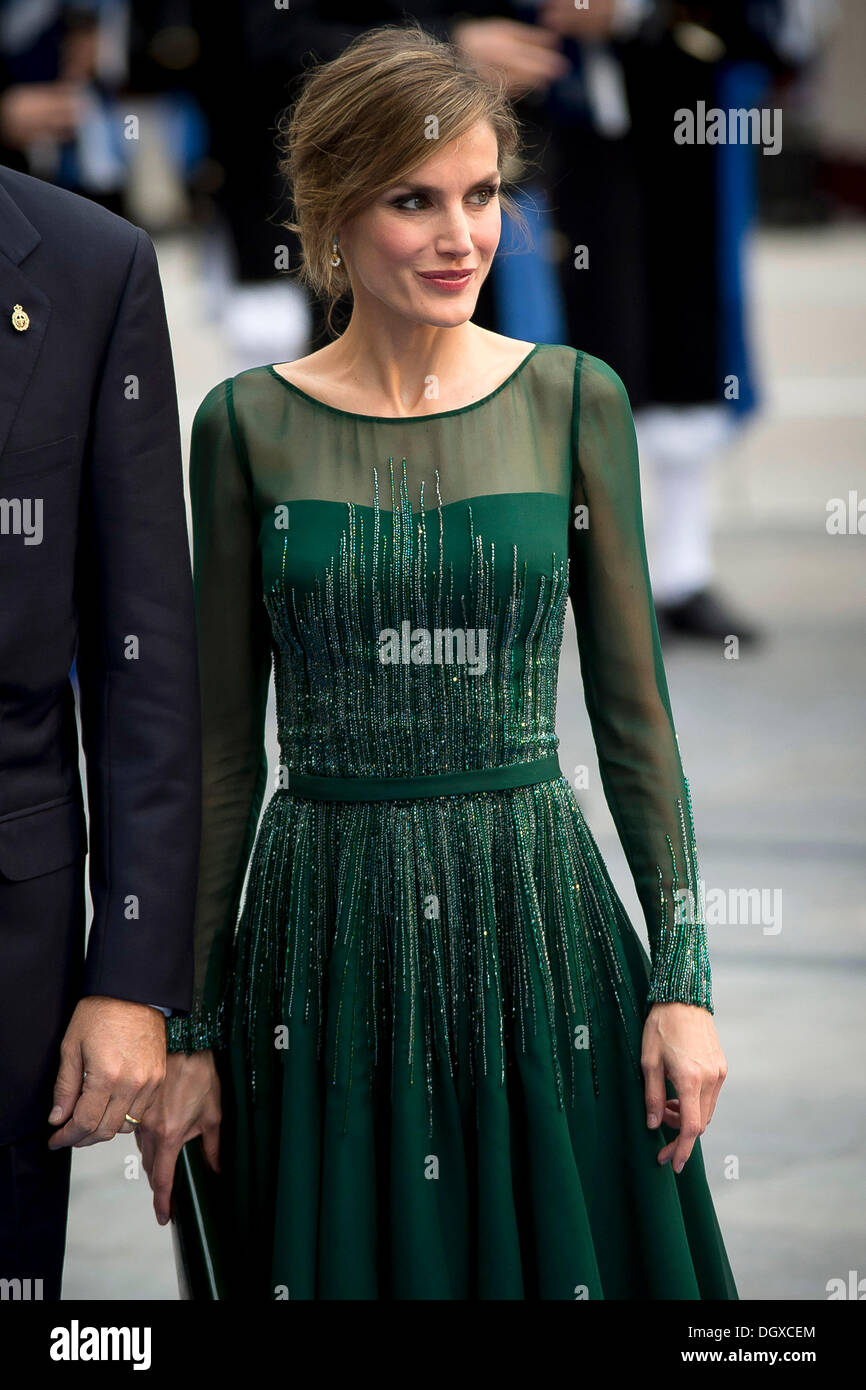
680,960
201,1029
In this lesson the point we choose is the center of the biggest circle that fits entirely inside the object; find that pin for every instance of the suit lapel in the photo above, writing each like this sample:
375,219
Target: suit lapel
19,349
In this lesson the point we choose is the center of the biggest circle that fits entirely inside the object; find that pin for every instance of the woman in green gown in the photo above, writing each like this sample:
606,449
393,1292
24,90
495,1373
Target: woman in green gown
428,1053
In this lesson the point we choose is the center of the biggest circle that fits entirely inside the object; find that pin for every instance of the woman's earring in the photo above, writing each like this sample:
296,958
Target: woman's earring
336,258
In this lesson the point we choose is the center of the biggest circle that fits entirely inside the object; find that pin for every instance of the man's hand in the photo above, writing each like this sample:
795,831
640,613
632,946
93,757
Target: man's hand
526,56
112,1063
596,22
39,111
680,1043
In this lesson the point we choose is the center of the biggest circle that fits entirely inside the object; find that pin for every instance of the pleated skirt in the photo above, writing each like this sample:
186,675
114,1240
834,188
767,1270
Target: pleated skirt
432,1087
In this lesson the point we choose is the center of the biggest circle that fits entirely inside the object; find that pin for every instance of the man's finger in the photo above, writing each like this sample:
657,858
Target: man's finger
133,1101
137,1109
67,1087
85,1118
109,1122
532,65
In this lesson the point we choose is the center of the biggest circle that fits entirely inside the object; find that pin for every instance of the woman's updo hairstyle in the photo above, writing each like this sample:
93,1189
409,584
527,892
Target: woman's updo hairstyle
365,120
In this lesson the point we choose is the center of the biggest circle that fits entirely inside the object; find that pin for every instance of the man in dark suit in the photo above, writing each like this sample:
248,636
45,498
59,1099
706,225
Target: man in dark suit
94,570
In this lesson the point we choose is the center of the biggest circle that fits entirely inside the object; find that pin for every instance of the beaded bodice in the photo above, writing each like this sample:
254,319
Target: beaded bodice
423,644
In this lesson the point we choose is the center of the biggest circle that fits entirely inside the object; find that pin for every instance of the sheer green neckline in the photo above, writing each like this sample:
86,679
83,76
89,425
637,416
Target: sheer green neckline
405,419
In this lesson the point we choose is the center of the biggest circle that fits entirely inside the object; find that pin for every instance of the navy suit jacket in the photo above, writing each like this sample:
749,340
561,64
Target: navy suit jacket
94,576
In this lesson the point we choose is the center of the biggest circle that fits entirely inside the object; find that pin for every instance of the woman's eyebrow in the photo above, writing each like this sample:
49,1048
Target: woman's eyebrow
430,188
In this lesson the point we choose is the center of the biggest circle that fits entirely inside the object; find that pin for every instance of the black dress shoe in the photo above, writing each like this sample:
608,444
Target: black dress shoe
703,615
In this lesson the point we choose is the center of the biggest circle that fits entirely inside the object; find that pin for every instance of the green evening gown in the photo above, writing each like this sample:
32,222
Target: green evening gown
426,1008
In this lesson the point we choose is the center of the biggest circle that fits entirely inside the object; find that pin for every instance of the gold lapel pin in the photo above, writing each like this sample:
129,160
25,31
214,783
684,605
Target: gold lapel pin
20,319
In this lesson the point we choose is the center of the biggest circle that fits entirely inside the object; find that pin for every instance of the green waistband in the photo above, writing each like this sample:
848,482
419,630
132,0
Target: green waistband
484,779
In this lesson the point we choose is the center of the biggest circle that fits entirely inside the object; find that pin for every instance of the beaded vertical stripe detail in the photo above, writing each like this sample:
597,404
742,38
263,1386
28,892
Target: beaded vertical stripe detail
342,712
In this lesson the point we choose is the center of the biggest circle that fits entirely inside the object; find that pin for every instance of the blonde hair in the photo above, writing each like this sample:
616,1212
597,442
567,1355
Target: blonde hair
362,123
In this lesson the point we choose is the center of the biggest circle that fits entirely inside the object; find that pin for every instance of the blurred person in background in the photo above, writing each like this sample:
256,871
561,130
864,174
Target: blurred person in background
61,65
659,290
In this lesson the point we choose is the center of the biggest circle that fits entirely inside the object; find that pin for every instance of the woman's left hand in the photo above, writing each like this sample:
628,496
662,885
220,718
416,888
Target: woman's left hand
680,1043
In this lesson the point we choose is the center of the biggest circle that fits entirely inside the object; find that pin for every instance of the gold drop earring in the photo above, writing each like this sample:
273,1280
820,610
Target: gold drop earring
336,258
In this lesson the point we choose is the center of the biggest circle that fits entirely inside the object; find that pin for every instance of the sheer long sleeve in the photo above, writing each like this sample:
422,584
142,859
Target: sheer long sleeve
234,655
625,687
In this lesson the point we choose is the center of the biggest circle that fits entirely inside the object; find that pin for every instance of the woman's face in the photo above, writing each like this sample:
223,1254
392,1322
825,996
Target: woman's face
445,218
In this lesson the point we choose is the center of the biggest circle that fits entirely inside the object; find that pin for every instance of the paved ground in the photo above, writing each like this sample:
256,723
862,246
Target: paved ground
773,748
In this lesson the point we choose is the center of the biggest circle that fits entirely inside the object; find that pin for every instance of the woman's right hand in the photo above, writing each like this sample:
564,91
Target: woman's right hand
187,1104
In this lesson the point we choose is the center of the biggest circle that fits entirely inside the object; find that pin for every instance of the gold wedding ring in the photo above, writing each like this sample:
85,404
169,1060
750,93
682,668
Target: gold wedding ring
132,1120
